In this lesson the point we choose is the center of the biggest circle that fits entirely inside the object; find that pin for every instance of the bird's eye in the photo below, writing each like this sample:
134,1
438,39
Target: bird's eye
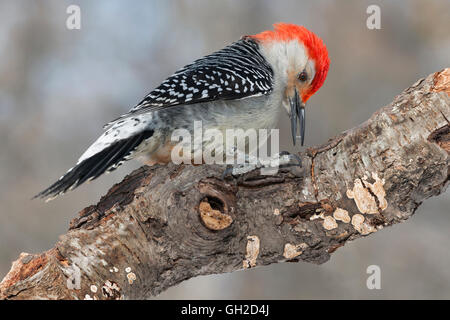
303,76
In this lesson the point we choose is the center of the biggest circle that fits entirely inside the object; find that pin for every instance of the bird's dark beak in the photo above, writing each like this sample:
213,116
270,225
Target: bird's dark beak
297,112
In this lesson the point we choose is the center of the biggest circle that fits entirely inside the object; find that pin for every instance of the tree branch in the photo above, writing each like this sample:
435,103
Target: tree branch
165,224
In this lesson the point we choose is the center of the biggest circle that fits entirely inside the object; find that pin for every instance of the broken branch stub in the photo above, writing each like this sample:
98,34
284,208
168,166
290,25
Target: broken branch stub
148,233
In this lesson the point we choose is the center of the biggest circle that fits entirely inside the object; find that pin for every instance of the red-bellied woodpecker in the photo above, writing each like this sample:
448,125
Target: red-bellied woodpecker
245,85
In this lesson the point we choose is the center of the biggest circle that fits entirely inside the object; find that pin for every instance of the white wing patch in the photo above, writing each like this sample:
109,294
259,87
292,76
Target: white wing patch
122,129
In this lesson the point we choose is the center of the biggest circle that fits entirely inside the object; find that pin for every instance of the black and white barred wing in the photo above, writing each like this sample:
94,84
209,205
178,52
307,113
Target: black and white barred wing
104,155
238,71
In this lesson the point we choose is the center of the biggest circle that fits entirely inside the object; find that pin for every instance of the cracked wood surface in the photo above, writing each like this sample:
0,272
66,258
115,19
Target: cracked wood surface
165,224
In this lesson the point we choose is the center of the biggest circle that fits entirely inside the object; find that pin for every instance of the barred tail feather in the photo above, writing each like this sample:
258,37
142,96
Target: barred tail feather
91,168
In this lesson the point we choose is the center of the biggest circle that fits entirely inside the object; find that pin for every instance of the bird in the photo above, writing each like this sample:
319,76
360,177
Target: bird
247,84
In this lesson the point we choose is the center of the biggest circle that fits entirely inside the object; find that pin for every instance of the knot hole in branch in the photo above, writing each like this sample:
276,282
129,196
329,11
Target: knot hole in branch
217,205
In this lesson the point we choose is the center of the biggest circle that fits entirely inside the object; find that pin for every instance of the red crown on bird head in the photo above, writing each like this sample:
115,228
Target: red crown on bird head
315,47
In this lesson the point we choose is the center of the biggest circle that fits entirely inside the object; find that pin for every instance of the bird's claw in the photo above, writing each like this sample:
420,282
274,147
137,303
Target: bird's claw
281,160
288,159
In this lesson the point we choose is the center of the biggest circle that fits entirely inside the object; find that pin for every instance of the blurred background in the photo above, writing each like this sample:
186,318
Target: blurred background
59,86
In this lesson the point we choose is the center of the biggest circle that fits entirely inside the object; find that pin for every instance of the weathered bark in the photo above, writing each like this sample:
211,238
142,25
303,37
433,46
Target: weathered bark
165,224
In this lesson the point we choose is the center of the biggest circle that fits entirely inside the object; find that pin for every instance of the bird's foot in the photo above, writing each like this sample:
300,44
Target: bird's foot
288,159
268,166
